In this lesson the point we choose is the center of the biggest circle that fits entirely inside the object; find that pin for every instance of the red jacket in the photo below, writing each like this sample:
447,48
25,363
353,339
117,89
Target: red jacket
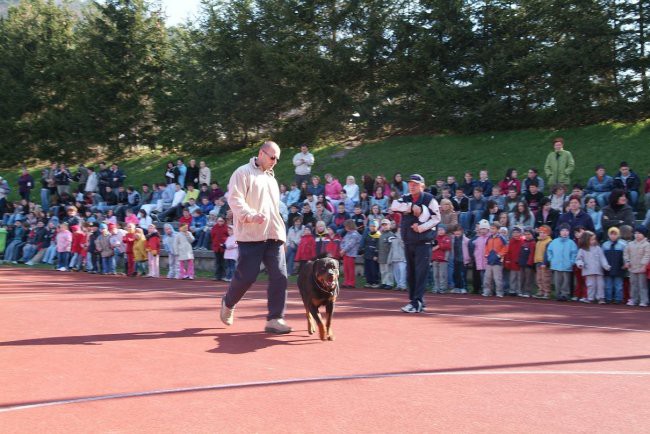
511,259
219,235
153,243
444,246
306,249
185,220
128,240
333,248
531,252
79,243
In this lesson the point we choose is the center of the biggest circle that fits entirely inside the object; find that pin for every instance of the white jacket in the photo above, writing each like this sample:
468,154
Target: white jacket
183,245
251,191
303,163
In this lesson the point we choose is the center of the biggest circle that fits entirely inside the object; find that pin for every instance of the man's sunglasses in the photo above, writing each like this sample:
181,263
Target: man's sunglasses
272,157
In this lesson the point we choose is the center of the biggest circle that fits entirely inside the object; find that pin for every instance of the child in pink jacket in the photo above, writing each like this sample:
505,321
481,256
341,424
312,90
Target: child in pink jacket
63,246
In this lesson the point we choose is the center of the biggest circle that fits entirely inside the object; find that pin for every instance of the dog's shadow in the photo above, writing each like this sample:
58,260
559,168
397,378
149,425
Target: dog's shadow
250,342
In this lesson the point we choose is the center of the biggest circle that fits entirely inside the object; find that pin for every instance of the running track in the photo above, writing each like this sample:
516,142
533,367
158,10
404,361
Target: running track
84,353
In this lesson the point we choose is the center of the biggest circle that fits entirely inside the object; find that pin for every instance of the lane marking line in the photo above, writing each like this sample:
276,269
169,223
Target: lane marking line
289,381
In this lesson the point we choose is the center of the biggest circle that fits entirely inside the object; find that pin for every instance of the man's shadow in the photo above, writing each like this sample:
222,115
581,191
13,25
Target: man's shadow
250,342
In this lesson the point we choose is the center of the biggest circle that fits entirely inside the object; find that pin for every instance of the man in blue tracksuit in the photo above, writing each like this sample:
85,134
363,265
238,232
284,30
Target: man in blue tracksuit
420,215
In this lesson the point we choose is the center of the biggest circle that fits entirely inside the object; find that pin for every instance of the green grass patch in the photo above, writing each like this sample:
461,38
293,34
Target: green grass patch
431,156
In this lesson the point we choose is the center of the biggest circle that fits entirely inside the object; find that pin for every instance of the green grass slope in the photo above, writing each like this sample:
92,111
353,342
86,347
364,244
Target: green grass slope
431,156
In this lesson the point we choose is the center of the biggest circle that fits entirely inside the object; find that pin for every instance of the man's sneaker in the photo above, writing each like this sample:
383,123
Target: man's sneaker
277,326
630,303
643,304
227,314
409,308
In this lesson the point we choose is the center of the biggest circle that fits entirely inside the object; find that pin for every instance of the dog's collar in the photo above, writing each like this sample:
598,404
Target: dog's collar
335,293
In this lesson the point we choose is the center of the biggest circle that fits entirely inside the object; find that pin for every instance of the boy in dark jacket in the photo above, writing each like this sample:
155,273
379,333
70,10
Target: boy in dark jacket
527,263
369,246
613,249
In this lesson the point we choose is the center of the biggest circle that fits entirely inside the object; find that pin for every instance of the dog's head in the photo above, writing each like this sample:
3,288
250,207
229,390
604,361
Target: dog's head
326,273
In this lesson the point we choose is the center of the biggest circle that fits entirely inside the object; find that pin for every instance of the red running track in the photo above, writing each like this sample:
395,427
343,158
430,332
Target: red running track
85,353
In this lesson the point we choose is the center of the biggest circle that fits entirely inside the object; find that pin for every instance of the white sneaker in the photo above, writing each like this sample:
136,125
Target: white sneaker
631,303
62,269
643,304
409,308
227,315
277,326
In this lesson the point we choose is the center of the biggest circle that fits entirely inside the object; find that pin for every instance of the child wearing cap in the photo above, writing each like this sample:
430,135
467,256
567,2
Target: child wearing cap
613,249
496,248
543,273
637,257
440,259
349,251
383,250
592,262
561,255
369,246
106,250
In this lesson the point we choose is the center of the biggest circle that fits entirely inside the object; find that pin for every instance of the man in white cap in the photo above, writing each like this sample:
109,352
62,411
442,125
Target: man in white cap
420,215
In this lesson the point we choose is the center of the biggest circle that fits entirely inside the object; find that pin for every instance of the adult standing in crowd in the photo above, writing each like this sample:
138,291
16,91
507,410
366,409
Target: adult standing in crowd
618,212
115,177
104,175
180,171
254,198
629,182
559,164
303,161
192,175
92,181
575,216
420,215
48,185
25,184
63,178
205,175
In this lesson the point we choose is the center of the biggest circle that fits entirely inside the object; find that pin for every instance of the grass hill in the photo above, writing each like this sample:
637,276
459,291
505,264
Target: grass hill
431,156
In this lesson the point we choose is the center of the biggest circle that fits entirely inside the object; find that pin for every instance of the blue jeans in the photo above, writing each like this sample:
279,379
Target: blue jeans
466,221
28,252
634,198
614,289
64,259
418,257
459,276
108,265
231,264
290,255
602,198
251,256
450,274
11,250
371,270
50,255
76,261
45,199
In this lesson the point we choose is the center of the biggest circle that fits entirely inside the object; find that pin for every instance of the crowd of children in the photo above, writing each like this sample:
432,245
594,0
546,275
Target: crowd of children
502,238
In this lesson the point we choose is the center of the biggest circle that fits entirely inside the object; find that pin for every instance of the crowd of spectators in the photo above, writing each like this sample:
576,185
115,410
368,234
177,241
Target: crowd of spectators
510,234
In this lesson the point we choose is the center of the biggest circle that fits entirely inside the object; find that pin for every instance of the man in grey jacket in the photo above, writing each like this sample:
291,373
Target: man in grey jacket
254,198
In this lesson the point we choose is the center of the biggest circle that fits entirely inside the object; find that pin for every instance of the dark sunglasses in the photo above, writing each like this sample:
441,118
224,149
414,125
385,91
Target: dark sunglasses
272,157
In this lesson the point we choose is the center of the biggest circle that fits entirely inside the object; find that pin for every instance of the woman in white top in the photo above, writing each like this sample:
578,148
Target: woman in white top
351,188
145,220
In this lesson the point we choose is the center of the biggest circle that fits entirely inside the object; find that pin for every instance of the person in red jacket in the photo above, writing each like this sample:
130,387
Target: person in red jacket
333,247
527,263
439,260
186,218
78,248
153,251
218,236
128,240
511,260
306,249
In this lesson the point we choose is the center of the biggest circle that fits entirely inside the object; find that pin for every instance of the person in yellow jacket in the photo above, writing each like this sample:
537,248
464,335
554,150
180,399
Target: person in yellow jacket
543,274
140,252
559,164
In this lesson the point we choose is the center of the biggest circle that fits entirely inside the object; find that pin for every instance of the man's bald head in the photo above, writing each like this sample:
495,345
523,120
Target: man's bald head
269,155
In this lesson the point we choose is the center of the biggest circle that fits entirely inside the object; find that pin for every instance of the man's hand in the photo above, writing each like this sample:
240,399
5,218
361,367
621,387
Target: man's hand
415,227
259,218
417,210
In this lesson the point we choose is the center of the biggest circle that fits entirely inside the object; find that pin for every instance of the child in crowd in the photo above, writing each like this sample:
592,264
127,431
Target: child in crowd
218,235
439,260
333,247
78,247
543,272
183,248
231,255
511,260
306,249
637,257
578,284
349,251
293,241
369,247
496,248
614,248
477,251
153,250
460,257
105,249
359,219
497,197
592,262
129,240
63,246
558,197
140,252
170,246
527,263
561,255
397,258
383,250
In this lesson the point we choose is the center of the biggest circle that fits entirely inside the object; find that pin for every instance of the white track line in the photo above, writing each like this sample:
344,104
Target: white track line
288,381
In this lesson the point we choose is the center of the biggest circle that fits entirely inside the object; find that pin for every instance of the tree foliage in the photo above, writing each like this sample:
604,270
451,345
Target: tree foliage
115,77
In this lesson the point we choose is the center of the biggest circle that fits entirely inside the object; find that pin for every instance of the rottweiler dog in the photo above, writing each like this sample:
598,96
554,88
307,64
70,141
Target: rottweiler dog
318,283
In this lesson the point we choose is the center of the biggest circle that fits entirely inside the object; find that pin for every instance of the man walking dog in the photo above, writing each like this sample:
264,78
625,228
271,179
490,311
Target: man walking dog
254,197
